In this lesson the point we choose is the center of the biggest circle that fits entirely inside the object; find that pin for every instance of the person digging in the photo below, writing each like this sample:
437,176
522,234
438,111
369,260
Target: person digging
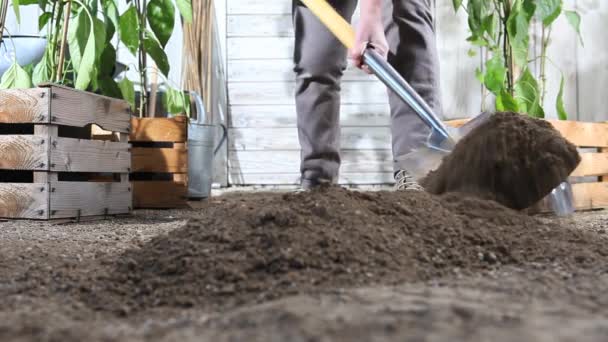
401,31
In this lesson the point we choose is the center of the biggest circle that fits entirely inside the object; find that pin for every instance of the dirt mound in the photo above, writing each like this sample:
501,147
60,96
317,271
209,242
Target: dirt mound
256,247
511,158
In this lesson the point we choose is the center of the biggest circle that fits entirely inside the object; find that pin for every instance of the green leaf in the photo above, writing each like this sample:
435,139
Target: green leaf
518,25
43,19
527,95
185,9
496,73
479,75
559,105
549,10
157,53
457,4
15,77
16,5
129,29
28,2
575,21
127,89
161,17
175,101
109,87
43,70
472,53
78,34
110,12
506,103
107,61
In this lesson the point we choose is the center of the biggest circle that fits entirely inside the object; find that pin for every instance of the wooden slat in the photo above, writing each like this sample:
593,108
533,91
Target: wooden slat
351,138
158,194
72,199
460,90
284,116
590,195
259,48
24,105
294,178
160,159
159,129
76,155
23,152
592,164
28,201
259,25
78,108
282,93
583,134
353,161
258,7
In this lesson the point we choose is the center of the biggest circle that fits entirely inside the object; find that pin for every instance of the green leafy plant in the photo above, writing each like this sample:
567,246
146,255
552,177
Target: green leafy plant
81,53
502,28
145,28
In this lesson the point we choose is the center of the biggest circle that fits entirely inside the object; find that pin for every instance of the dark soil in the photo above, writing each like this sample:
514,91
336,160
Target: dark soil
261,247
513,159
465,269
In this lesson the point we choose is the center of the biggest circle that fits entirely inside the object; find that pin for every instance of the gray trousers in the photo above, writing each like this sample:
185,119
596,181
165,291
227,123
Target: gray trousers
320,60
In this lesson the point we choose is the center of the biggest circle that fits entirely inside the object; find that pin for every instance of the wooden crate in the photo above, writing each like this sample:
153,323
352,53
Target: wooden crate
590,179
50,167
159,162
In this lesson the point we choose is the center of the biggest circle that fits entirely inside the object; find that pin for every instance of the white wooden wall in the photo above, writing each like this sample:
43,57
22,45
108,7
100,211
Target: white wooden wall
263,145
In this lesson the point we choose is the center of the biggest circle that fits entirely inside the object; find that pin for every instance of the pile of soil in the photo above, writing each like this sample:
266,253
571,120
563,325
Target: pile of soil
511,158
256,247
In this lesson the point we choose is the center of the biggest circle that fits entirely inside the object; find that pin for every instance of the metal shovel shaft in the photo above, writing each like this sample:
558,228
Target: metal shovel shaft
391,78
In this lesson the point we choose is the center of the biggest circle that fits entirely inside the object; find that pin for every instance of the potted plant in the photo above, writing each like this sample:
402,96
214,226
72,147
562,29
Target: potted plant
48,108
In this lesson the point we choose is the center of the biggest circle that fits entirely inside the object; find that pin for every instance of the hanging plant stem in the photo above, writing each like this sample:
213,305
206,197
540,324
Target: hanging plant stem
66,22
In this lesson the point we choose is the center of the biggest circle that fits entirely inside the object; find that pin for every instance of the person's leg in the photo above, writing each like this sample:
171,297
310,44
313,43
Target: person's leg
319,62
413,53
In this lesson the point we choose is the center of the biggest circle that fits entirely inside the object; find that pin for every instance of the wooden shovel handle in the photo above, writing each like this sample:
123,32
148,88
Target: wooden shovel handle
333,21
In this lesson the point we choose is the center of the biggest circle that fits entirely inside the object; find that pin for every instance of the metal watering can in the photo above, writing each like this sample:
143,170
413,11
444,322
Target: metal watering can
202,149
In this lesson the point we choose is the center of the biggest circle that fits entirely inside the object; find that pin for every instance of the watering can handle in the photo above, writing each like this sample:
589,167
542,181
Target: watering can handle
201,115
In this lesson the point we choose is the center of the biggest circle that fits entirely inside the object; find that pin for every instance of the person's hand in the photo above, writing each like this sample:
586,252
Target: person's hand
369,31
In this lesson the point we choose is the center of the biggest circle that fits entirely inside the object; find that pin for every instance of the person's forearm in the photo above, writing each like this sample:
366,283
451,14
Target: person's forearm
371,10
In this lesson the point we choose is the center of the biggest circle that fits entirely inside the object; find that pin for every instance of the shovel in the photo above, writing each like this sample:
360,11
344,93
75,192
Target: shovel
442,138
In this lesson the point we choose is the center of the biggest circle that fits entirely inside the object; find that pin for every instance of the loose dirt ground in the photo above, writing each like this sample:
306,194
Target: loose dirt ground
505,277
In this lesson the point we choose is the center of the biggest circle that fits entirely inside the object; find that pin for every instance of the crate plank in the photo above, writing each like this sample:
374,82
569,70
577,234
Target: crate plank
160,159
24,105
73,199
78,108
592,164
76,155
159,129
23,152
583,134
159,194
590,195
27,201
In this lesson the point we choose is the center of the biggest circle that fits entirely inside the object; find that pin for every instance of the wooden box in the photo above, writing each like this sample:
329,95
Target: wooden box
51,168
590,179
159,162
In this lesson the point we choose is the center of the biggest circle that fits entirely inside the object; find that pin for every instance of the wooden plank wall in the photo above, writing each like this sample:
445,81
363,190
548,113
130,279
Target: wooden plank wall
263,145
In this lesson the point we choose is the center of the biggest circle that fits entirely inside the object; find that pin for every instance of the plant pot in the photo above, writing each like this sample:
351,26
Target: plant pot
26,49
